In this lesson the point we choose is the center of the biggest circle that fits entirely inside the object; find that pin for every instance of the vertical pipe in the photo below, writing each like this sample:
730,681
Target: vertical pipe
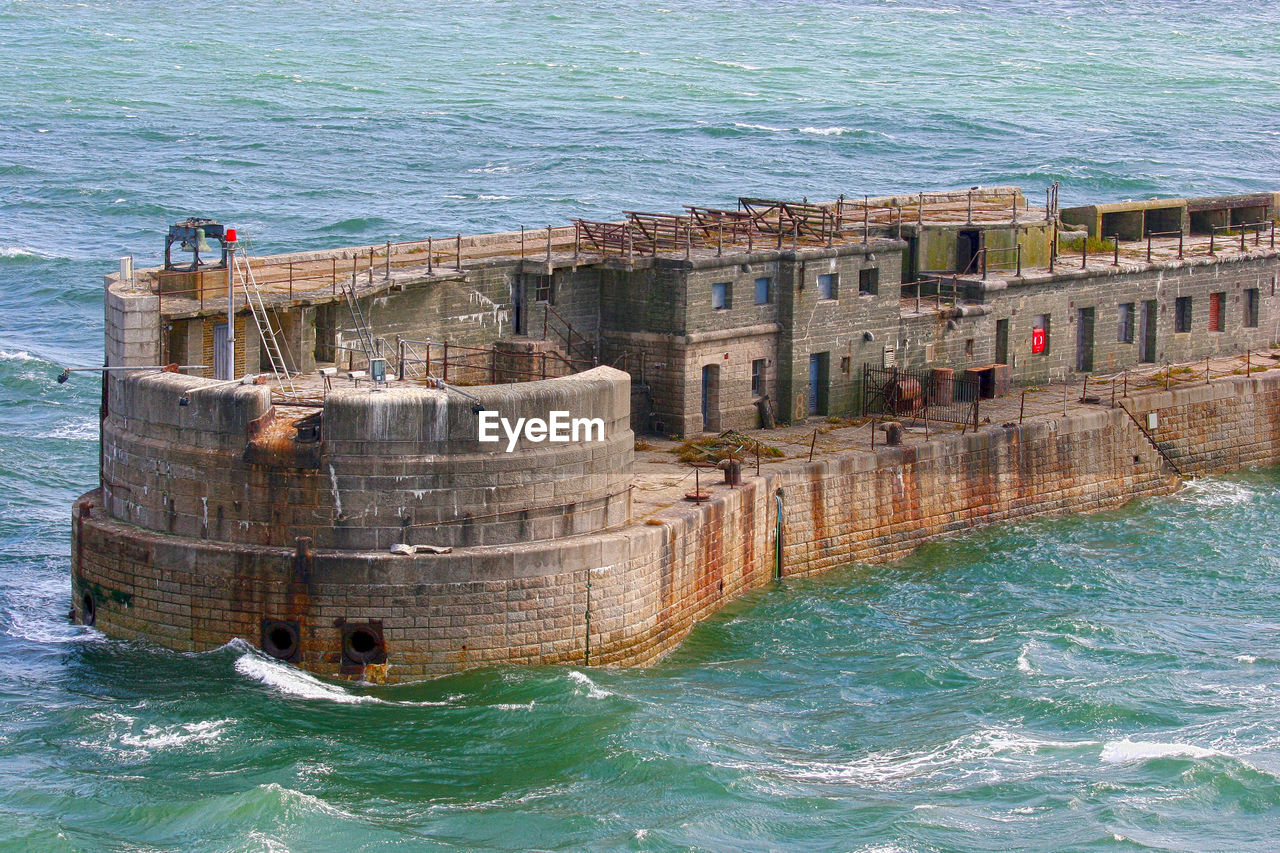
548,244
457,253
1115,246
388,273
231,314
522,242
430,252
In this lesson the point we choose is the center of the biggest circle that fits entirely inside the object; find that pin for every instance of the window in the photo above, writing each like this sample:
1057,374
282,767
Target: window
764,291
1182,314
968,346
1251,308
869,281
540,287
757,376
1125,323
827,284
1217,308
720,296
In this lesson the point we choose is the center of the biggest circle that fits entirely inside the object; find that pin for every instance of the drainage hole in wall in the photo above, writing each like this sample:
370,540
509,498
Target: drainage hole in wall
88,610
363,644
280,639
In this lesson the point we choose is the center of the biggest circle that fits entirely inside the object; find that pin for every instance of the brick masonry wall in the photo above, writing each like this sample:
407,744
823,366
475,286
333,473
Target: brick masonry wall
646,585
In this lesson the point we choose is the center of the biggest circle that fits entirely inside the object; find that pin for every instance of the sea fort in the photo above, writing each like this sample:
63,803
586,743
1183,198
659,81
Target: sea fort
388,462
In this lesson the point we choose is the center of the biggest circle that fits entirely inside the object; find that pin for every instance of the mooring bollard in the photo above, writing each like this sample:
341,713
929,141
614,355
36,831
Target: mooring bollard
893,433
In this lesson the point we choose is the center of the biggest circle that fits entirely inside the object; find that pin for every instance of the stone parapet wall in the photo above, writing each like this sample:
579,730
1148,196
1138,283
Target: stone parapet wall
393,466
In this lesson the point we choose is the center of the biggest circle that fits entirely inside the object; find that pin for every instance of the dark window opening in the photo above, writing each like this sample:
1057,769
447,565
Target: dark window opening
869,281
764,291
1182,314
757,377
1251,308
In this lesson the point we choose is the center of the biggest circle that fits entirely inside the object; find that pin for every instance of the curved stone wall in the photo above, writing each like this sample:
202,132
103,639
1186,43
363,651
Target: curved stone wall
383,467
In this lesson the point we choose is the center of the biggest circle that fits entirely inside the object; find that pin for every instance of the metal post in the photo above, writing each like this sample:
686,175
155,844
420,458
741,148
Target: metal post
840,213
1022,406
920,210
795,234
430,252
577,239
400,356
1084,251
457,254
522,242
1015,207
1207,381
1213,232
291,279
231,314
333,273
866,216
813,441
1148,246
1179,245
371,266
1046,204
388,275
983,261
1166,376
719,234
1113,393
445,366
969,217
1242,238
873,433
548,244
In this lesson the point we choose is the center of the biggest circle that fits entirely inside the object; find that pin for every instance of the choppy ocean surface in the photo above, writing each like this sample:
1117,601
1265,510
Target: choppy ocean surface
1100,683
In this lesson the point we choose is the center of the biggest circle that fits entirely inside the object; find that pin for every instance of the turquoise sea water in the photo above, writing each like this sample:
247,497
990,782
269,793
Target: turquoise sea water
1108,682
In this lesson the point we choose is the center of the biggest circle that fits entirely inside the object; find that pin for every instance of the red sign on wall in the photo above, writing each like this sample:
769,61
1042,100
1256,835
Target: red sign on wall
1037,340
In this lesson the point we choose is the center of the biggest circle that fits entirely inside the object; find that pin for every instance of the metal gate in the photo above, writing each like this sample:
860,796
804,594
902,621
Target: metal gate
935,395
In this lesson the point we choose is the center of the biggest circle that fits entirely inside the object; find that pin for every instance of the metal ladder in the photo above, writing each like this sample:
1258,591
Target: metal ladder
357,317
267,331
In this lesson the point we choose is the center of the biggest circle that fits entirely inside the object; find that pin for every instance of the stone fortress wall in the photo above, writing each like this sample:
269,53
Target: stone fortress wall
627,595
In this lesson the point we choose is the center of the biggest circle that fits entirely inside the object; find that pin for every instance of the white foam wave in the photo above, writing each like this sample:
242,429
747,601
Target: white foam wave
742,65
980,753
169,737
1217,493
292,681
514,706
484,197
828,131
19,355
310,801
1127,751
1246,658
81,430
295,682
593,691
23,252
1024,660
38,628
760,127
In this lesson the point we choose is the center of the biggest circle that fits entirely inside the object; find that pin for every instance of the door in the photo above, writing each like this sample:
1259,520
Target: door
711,398
819,379
221,364
1002,341
517,303
1147,351
967,245
1084,340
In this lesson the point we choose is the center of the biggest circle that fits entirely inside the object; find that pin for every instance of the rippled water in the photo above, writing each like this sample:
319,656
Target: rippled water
1107,682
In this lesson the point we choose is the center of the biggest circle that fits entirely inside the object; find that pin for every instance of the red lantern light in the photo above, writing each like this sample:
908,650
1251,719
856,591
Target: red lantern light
230,235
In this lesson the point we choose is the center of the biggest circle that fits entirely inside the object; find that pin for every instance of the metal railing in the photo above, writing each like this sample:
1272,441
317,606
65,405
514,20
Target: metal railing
927,395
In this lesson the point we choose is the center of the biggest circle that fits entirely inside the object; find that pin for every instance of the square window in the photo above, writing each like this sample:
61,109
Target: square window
1182,314
1124,323
869,281
827,285
764,291
1251,308
720,296
757,376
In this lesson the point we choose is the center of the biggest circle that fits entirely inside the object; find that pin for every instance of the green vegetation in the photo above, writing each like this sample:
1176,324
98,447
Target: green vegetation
1097,245
722,446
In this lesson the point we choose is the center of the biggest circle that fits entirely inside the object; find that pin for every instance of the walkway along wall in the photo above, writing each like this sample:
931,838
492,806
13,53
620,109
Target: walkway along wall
628,595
